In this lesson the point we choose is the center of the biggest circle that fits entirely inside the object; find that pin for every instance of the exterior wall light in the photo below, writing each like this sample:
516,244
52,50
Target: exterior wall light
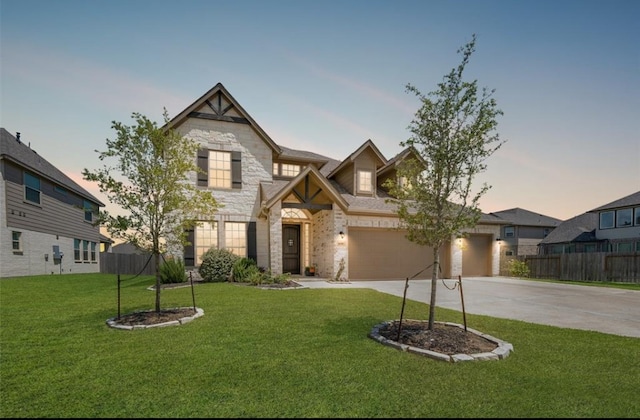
341,235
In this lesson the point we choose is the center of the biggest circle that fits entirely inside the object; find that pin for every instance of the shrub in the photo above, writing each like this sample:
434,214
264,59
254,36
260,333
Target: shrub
518,268
217,265
242,269
172,271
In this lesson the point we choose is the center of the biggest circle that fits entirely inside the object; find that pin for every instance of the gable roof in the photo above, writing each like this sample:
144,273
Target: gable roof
218,113
366,145
522,217
12,149
630,200
397,159
577,229
279,190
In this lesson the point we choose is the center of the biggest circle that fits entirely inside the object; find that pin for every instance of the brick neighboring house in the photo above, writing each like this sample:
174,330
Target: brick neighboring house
288,209
46,219
613,227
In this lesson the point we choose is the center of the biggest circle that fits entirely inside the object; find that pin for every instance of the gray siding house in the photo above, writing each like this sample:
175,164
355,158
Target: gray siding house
612,227
288,209
46,219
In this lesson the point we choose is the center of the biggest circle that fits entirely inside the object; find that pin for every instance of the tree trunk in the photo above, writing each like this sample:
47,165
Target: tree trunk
157,270
434,283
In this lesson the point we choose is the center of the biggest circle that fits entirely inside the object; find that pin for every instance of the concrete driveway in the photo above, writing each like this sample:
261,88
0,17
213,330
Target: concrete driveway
603,309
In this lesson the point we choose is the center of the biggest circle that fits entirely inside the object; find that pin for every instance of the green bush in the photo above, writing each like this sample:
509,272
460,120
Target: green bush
242,269
172,271
217,265
518,268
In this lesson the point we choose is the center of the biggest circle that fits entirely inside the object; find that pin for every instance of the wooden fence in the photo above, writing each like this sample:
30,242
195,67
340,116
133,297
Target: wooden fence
587,266
112,263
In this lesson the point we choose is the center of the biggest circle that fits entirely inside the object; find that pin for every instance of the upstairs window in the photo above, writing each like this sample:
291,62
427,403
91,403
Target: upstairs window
364,181
31,188
624,218
89,209
545,232
290,170
606,219
219,169
509,231
637,216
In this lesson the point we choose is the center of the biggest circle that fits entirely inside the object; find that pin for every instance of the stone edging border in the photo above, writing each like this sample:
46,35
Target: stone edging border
113,322
501,352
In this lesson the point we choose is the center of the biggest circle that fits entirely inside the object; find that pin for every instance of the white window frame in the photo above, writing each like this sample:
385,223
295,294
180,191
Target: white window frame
28,187
16,239
602,219
509,231
364,181
77,250
289,170
623,215
220,169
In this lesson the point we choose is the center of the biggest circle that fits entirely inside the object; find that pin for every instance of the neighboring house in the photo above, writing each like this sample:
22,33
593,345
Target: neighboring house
288,209
46,219
105,243
523,231
613,227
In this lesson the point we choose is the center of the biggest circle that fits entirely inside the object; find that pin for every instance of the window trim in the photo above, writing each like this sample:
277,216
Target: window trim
196,239
620,212
228,239
359,181
612,213
27,187
204,173
15,241
513,232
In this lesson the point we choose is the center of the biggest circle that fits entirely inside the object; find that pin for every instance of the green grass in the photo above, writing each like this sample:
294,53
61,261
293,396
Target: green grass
284,353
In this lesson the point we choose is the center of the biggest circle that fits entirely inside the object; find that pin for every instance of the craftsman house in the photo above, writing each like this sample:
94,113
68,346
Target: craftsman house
46,219
288,209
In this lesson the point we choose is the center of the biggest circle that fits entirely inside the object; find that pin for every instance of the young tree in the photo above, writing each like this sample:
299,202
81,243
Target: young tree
453,133
150,182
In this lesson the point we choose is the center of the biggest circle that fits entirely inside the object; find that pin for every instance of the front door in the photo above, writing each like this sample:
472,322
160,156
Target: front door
291,249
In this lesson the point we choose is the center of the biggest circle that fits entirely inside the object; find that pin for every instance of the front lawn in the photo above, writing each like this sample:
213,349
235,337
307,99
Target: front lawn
284,353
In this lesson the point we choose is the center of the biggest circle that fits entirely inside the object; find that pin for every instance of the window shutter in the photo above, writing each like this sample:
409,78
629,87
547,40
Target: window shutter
252,245
236,170
189,249
203,164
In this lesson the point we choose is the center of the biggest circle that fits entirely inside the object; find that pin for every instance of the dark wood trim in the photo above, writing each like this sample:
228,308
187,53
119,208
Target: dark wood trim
308,206
205,116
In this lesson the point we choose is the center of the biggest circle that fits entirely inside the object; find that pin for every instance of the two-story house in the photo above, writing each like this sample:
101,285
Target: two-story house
613,227
522,232
288,208
46,219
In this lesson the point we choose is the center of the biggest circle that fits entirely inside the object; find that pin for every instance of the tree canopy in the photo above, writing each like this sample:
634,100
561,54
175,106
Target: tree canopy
150,181
452,134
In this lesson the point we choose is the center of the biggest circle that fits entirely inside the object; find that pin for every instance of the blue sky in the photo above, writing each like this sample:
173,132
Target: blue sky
325,76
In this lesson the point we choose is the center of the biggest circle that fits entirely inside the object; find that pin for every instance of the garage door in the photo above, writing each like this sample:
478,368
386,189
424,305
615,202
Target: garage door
476,256
380,254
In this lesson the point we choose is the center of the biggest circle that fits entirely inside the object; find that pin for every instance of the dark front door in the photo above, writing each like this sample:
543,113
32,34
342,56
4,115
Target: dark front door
291,249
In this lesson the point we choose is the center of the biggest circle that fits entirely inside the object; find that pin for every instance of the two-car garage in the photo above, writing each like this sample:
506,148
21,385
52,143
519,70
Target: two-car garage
384,254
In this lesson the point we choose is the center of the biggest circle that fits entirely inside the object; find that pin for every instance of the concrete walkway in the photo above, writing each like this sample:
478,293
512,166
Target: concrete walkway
604,309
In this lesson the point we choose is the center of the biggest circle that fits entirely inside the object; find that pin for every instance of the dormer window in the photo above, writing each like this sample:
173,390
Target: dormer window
364,181
288,170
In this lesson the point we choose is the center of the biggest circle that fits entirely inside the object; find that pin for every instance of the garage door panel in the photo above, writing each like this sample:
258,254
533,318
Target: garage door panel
386,254
476,256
